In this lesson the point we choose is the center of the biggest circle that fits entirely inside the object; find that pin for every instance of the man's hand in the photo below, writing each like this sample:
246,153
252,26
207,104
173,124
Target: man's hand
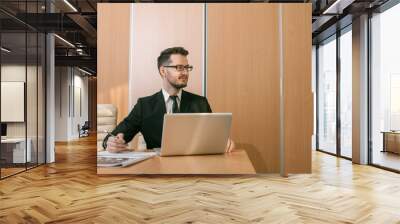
116,143
230,145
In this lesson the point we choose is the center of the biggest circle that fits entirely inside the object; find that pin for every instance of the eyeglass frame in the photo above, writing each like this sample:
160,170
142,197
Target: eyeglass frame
188,68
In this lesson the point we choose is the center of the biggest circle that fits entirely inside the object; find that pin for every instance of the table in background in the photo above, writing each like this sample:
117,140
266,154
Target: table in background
13,150
391,141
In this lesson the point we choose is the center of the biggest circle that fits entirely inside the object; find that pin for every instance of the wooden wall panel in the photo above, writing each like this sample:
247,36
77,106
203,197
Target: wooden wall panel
113,27
297,87
243,76
360,90
155,28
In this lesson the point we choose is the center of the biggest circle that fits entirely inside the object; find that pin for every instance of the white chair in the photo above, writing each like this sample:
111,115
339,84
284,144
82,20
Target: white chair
107,121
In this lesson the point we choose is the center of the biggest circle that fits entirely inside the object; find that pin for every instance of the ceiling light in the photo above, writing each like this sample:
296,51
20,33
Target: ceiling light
338,6
84,71
70,5
5,50
65,41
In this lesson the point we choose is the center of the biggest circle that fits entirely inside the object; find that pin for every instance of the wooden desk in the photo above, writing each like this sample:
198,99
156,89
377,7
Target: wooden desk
236,162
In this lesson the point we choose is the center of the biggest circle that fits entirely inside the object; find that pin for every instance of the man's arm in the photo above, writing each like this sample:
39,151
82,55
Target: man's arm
208,106
130,126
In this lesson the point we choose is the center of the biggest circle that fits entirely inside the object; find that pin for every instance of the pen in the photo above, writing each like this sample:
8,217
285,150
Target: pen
109,133
133,161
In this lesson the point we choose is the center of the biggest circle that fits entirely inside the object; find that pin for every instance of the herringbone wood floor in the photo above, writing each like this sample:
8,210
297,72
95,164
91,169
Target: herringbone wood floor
69,191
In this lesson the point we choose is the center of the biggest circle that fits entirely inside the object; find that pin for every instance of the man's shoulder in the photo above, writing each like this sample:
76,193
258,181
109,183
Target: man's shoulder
198,104
158,95
150,98
193,96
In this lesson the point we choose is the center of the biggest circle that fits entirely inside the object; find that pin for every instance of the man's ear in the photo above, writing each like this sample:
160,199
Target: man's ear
162,71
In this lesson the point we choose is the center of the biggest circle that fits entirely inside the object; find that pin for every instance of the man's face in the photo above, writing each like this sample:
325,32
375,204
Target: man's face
175,78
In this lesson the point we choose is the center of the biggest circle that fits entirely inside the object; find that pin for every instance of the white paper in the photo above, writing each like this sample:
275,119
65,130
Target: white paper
132,155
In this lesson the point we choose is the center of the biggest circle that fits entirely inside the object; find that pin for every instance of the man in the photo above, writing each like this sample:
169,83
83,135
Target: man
148,114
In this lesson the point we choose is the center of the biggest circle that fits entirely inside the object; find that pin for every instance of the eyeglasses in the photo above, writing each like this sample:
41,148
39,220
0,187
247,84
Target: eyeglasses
180,68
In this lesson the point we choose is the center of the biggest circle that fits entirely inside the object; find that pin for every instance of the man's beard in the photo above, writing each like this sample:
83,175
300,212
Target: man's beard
176,85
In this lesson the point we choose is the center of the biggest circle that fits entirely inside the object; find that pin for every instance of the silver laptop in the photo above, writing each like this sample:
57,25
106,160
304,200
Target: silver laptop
195,133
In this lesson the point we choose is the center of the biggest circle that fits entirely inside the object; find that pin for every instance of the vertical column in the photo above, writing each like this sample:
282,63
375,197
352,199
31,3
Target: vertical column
360,90
282,167
297,91
50,99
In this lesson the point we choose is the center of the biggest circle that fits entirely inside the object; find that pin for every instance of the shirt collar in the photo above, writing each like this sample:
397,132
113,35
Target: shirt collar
166,95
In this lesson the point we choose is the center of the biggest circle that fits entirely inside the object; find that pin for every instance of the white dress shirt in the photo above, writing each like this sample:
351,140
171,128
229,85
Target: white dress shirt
169,102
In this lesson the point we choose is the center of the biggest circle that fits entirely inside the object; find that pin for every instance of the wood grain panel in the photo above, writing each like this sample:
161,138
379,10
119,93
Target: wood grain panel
243,76
113,27
297,87
155,28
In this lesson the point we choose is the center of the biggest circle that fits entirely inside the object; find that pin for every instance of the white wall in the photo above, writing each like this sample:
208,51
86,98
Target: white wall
62,81
16,73
70,83
79,117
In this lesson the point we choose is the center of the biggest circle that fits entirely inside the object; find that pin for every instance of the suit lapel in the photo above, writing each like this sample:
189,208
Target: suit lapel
160,107
184,102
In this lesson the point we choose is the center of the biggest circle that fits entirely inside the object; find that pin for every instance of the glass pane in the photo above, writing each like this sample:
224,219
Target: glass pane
327,97
314,78
41,98
13,87
346,94
386,89
31,101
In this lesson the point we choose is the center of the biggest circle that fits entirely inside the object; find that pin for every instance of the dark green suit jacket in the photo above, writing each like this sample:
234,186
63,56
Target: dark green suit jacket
147,117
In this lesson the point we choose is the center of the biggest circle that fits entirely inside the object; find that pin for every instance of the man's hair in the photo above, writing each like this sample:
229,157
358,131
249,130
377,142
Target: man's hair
164,57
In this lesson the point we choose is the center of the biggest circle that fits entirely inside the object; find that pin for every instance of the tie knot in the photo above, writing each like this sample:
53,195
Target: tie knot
173,97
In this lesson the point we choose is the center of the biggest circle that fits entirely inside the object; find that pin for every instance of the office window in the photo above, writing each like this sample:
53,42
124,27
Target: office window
31,99
13,84
22,92
385,88
346,93
314,92
327,96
